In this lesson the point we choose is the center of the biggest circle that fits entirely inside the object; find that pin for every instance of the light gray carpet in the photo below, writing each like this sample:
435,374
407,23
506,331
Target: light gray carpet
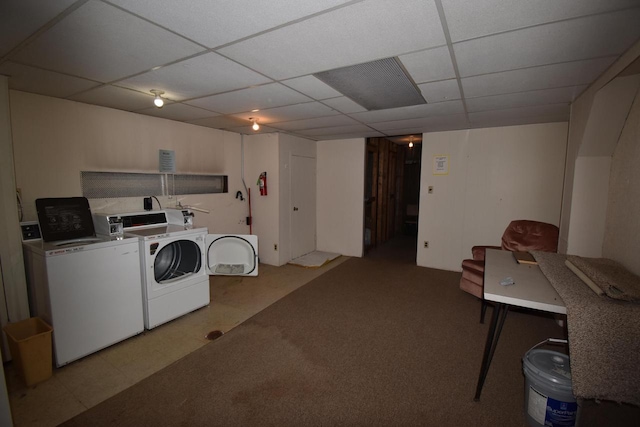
374,341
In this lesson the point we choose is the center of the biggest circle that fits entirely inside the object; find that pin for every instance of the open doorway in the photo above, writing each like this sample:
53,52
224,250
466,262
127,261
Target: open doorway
392,191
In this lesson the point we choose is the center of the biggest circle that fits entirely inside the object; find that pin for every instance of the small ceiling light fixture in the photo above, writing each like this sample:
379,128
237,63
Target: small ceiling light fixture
158,101
255,125
411,142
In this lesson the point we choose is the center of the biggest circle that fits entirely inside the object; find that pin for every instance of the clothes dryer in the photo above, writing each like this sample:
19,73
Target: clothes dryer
176,261
174,281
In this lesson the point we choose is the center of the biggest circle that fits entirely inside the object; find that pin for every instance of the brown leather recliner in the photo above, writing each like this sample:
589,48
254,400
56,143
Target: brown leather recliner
520,235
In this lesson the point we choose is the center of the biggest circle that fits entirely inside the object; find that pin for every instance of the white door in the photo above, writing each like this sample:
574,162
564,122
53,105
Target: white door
303,205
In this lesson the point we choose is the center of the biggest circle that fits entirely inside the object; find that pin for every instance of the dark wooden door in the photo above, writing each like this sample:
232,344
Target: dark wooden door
370,195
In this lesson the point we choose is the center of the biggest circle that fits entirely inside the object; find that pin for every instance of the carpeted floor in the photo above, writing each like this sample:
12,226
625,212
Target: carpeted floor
374,341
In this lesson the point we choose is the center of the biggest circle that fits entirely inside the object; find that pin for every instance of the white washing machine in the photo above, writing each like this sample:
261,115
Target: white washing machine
88,291
86,287
175,261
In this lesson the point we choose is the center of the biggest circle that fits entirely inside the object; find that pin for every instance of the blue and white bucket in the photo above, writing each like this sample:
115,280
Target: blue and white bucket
548,397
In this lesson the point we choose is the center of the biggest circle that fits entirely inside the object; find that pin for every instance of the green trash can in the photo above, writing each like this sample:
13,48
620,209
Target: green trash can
30,346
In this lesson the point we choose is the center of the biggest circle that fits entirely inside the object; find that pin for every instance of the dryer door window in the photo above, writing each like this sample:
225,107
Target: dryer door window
177,260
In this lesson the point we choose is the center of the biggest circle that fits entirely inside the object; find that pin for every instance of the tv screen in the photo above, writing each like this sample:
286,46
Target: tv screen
64,218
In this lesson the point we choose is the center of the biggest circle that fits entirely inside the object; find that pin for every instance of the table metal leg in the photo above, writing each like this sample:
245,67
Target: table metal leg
495,328
483,309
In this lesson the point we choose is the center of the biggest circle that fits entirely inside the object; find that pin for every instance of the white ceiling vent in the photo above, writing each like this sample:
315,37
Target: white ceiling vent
376,85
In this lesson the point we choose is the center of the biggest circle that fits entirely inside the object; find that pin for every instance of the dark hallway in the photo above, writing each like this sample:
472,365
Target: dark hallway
401,249
392,197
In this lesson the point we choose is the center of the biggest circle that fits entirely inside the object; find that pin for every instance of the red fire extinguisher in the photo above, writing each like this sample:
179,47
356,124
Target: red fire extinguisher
262,183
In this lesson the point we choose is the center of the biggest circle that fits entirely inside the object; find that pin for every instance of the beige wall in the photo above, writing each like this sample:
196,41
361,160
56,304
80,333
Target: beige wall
271,153
340,196
601,200
261,155
621,241
580,121
608,112
495,175
14,305
55,139
589,206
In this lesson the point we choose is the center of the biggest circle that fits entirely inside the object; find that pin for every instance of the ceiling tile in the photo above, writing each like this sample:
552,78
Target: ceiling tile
469,19
584,38
115,97
495,121
194,18
545,77
30,79
369,134
291,112
178,111
348,36
318,122
416,111
336,130
344,105
221,122
556,110
524,99
518,61
248,130
312,87
100,42
260,97
203,75
455,121
429,65
21,18
445,90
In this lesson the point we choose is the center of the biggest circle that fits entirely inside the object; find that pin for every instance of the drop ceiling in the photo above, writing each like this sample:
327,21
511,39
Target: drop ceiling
477,63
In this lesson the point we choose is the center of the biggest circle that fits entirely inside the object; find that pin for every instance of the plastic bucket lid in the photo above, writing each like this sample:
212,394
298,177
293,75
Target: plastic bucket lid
548,367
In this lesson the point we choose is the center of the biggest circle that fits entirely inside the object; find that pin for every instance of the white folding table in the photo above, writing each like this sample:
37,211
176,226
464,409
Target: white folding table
531,289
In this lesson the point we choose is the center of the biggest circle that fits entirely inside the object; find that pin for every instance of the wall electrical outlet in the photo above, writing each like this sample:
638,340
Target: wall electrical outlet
275,246
426,243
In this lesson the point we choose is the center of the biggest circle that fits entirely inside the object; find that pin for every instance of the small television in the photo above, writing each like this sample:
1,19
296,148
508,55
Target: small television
64,218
